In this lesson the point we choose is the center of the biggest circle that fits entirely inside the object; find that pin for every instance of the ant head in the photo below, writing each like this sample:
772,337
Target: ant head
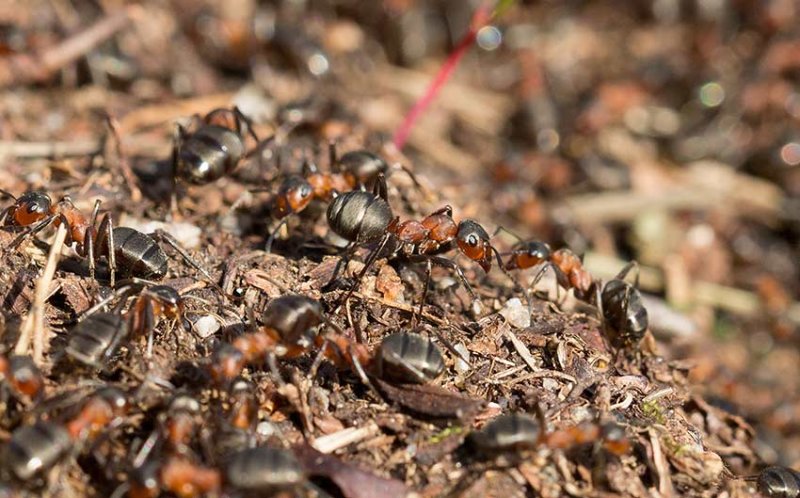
32,207
295,194
473,241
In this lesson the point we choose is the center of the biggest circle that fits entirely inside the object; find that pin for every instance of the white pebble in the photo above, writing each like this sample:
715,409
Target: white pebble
206,326
462,366
516,313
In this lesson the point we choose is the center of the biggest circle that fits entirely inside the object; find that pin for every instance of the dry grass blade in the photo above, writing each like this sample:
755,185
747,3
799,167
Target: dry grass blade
345,437
33,326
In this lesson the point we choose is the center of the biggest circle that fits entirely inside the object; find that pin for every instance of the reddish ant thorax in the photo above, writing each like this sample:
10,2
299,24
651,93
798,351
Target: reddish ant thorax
188,480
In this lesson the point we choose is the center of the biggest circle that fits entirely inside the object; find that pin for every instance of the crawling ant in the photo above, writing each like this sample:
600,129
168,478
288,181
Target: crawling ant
568,267
129,251
21,376
213,150
96,339
177,475
778,482
622,309
34,449
287,332
354,169
253,471
263,470
519,432
408,357
365,218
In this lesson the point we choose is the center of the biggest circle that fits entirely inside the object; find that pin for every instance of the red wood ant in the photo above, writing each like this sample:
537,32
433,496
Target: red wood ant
354,169
95,340
129,252
567,266
21,376
213,150
364,218
34,449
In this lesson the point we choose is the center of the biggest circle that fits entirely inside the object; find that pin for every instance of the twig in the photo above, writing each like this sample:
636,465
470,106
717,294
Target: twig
344,437
521,348
122,160
23,150
34,321
30,68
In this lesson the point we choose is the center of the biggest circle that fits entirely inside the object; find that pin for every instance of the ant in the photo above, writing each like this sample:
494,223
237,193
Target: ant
96,339
129,252
213,150
34,449
354,169
365,218
517,431
262,471
288,332
568,267
777,482
621,308
23,379
177,475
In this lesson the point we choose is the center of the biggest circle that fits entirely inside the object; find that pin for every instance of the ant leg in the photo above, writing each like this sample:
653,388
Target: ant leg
362,374
373,256
105,238
633,265
598,296
240,116
428,270
31,231
501,228
517,285
380,189
333,160
169,239
88,243
349,250
321,354
274,233
447,263
272,362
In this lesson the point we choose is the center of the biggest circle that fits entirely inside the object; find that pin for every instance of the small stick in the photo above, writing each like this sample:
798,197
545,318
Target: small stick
344,437
34,321
24,150
122,159
29,68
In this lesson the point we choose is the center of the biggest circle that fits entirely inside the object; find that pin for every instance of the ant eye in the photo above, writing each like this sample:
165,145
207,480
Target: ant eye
472,240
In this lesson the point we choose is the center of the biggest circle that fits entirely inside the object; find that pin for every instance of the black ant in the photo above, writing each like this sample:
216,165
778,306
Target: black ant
777,482
621,308
211,151
520,432
96,339
129,252
365,218
354,169
35,448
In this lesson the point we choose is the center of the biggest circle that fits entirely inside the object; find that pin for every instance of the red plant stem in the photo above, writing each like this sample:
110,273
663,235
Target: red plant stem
479,19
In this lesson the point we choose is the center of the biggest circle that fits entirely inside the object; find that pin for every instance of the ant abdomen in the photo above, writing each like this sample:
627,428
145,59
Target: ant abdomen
359,217
209,154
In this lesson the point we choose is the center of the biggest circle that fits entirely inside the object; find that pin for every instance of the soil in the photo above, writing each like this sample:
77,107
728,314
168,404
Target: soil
660,132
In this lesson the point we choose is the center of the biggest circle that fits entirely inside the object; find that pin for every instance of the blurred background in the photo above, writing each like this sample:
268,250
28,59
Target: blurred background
665,131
